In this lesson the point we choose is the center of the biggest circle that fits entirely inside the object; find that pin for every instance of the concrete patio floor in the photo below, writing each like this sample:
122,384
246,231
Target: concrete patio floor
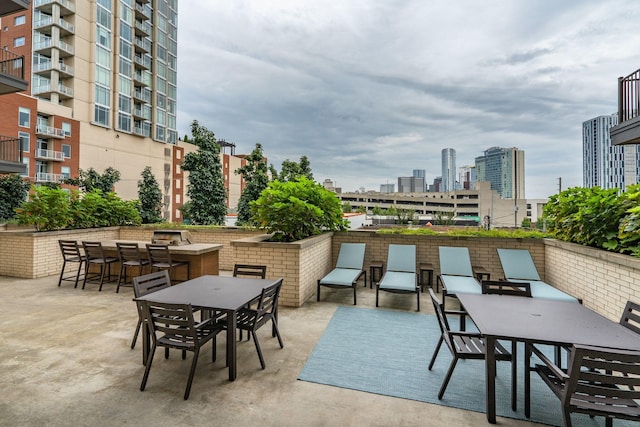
65,359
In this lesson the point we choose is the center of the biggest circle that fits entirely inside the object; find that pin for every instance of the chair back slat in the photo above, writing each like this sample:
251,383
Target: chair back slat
351,255
148,283
631,317
128,252
269,299
93,250
158,253
244,270
70,249
495,287
443,323
175,321
401,258
603,382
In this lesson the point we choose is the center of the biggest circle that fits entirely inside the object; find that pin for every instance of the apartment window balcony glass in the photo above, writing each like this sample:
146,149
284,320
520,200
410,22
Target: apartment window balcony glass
143,28
65,48
49,177
49,155
142,94
67,7
143,11
49,131
142,44
143,60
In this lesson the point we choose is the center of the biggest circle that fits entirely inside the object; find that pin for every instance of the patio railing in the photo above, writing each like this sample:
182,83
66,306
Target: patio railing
11,64
10,149
628,96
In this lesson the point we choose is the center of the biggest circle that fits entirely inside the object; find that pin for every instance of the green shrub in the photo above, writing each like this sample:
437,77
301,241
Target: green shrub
13,192
295,210
47,209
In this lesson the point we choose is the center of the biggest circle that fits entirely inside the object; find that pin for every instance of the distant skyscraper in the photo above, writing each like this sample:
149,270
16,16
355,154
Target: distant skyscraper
448,170
421,173
410,184
467,177
605,165
504,169
387,188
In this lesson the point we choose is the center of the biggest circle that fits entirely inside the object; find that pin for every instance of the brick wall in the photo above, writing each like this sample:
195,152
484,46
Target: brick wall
301,263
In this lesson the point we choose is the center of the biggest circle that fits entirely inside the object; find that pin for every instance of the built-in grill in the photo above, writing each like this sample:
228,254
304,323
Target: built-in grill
171,237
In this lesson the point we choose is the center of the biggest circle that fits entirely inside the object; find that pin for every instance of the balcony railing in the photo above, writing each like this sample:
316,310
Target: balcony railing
629,96
50,155
50,131
11,64
66,5
628,129
49,177
10,149
48,66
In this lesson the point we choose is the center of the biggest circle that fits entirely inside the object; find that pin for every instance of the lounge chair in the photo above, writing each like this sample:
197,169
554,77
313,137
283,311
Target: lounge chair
348,269
400,276
518,266
456,274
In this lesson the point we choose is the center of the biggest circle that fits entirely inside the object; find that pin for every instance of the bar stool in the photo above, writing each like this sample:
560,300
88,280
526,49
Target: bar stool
95,256
160,259
130,256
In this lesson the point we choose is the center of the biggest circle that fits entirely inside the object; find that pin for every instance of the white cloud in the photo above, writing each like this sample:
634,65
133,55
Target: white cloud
370,92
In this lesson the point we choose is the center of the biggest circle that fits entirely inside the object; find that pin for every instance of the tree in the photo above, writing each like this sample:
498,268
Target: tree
13,192
292,171
90,180
150,197
206,185
254,173
295,210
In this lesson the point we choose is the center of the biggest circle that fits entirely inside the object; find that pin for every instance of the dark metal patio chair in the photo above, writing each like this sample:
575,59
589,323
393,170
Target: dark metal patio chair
252,319
130,256
630,318
464,345
173,326
599,382
160,259
144,285
501,287
71,253
95,256
248,270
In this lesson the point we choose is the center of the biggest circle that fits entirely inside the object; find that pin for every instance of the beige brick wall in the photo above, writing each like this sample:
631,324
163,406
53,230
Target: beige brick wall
605,281
300,264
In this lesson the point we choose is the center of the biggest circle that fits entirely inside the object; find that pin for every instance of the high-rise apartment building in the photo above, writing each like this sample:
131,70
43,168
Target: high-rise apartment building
504,169
448,170
410,184
421,173
606,165
102,90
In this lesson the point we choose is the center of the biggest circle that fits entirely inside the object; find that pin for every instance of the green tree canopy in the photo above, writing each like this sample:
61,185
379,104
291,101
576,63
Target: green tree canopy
255,176
13,192
90,180
292,171
206,184
150,197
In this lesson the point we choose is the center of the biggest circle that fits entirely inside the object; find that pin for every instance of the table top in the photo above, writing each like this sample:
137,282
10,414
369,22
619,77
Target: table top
545,321
190,249
215,292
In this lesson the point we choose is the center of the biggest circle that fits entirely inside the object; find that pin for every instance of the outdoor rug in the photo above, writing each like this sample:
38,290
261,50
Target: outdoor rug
388,352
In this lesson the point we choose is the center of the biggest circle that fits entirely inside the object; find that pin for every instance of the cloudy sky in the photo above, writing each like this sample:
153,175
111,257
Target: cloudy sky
370,90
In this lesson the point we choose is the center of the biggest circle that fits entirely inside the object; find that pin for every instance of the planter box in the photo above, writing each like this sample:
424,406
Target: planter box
300,263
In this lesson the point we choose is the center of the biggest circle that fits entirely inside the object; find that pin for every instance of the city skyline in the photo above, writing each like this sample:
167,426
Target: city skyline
368,92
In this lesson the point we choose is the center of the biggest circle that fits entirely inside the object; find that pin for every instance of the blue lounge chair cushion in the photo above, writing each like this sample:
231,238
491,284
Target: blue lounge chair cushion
399,280
540,289
461,284
341,276
517,264
455,261
402,258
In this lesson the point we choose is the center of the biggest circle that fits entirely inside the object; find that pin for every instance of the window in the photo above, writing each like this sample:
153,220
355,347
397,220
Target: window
125,49
18,41
66,150
103,57
25,161
126,32
124,122
124,103
66,172
102,76
25,139
66,128
20,20
24,117
103,37
102,95
101,115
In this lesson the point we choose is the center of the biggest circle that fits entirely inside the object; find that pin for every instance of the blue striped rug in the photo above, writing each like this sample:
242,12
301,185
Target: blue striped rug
388,353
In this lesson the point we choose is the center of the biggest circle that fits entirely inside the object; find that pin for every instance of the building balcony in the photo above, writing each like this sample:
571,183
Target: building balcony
11,155
142,78
143,28
11,73
142,129
63,91
49,177
143,60
66,7
45,68
49,132
142,44
142,112
8,7
628,129
143,11
57,156
142,94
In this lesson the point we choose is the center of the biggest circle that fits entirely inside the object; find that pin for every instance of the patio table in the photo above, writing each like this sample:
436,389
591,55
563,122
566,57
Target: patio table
539,321
219,293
